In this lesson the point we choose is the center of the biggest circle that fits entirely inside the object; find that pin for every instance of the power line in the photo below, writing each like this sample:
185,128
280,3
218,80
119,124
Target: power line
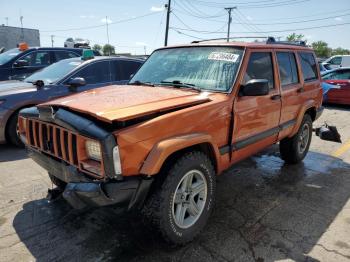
96,26
272,31
309,15
201,18
301,21
190,12
182,33
245,22
255,4
260,4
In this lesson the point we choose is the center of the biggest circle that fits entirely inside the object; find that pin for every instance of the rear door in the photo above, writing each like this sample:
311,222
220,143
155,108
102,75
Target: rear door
291,88
340,78
35,60
256,118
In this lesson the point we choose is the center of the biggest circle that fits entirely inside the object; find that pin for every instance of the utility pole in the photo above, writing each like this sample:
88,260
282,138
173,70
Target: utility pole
22,32
229,10
7,21
168,7
52,36
109,52
145,49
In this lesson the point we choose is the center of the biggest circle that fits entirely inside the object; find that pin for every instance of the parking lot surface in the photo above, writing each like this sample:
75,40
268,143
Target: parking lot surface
266,211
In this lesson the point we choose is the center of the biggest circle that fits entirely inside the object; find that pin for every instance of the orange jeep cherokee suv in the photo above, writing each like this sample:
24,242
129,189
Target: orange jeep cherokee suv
189,113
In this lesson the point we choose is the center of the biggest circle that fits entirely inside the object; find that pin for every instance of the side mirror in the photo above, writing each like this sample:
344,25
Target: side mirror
76,82
255,87
20,63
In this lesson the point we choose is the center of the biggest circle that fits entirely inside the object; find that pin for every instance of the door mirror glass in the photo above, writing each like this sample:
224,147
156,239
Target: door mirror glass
255,87
20,63
76,82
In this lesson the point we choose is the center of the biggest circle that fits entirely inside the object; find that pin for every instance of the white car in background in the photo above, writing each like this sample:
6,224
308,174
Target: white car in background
337,61
77,43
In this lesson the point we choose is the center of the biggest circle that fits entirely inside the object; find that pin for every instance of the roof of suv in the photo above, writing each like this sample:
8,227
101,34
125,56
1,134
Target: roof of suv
260,45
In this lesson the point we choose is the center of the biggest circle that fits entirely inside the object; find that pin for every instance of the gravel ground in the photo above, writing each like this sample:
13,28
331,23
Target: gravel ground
266,211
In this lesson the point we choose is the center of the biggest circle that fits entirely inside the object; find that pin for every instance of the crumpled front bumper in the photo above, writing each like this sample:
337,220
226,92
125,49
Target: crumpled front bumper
81,191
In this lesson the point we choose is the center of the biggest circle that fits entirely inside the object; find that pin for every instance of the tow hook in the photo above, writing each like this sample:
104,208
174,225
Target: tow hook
328,133
54,194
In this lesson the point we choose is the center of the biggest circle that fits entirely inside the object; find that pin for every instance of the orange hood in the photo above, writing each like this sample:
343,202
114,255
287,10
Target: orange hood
120,103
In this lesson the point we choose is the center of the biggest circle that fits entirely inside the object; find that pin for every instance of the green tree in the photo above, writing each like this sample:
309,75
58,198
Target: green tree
340,51
97,47
296,37
108,49
321,49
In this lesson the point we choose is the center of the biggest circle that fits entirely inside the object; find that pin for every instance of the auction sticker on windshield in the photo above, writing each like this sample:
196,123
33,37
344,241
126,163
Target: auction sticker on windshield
222,56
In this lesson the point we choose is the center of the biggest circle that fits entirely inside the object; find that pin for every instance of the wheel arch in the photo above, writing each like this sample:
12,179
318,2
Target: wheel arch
14,112
164,152
308,108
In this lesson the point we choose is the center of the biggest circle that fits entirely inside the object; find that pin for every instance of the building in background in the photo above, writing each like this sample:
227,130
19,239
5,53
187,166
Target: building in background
10,36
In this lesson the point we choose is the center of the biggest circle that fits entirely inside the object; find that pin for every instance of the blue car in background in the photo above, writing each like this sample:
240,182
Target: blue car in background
19,63
63,78
326,87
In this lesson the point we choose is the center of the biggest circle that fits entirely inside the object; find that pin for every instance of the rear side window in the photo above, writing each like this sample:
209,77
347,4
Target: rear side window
95,73
60,55
337,75
38,58
336,60
260,67
126,69
308,66
287,68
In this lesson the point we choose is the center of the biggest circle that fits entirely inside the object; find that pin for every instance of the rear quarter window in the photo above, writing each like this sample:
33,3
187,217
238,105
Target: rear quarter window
308,66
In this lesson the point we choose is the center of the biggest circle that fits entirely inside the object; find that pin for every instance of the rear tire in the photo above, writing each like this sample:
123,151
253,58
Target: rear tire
181,206
294,149
12,131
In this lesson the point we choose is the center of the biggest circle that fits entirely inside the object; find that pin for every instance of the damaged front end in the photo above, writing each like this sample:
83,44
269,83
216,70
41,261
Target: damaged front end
56,140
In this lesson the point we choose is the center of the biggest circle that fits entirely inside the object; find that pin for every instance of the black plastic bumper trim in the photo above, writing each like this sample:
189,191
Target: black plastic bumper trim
82,191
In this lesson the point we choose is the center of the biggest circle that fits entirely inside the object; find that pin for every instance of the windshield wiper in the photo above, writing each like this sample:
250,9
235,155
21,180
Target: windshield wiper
139,83
178,83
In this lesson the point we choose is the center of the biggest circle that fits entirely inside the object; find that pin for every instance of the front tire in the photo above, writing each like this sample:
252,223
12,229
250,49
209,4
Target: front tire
13,132
294,149
180,208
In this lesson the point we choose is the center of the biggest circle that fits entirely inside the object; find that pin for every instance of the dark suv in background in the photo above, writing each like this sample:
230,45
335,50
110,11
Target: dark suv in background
63,78
18,63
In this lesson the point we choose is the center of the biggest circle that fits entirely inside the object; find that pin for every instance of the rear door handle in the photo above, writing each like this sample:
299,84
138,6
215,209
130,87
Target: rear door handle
275,97
300,90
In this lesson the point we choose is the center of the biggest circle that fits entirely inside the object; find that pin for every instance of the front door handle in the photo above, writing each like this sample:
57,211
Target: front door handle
275,97
300,90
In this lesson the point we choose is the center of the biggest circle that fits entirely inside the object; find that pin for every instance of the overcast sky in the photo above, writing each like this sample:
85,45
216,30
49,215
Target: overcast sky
145,20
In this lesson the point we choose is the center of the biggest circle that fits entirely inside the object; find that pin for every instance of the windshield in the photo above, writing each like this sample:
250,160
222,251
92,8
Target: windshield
207,68
8,55
55,72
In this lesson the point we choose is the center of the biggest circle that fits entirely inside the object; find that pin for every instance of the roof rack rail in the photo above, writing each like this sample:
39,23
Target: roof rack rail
236,37
272,40
269,40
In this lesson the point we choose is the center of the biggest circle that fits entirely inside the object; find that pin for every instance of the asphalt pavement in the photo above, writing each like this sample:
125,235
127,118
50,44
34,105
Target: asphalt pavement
265,211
